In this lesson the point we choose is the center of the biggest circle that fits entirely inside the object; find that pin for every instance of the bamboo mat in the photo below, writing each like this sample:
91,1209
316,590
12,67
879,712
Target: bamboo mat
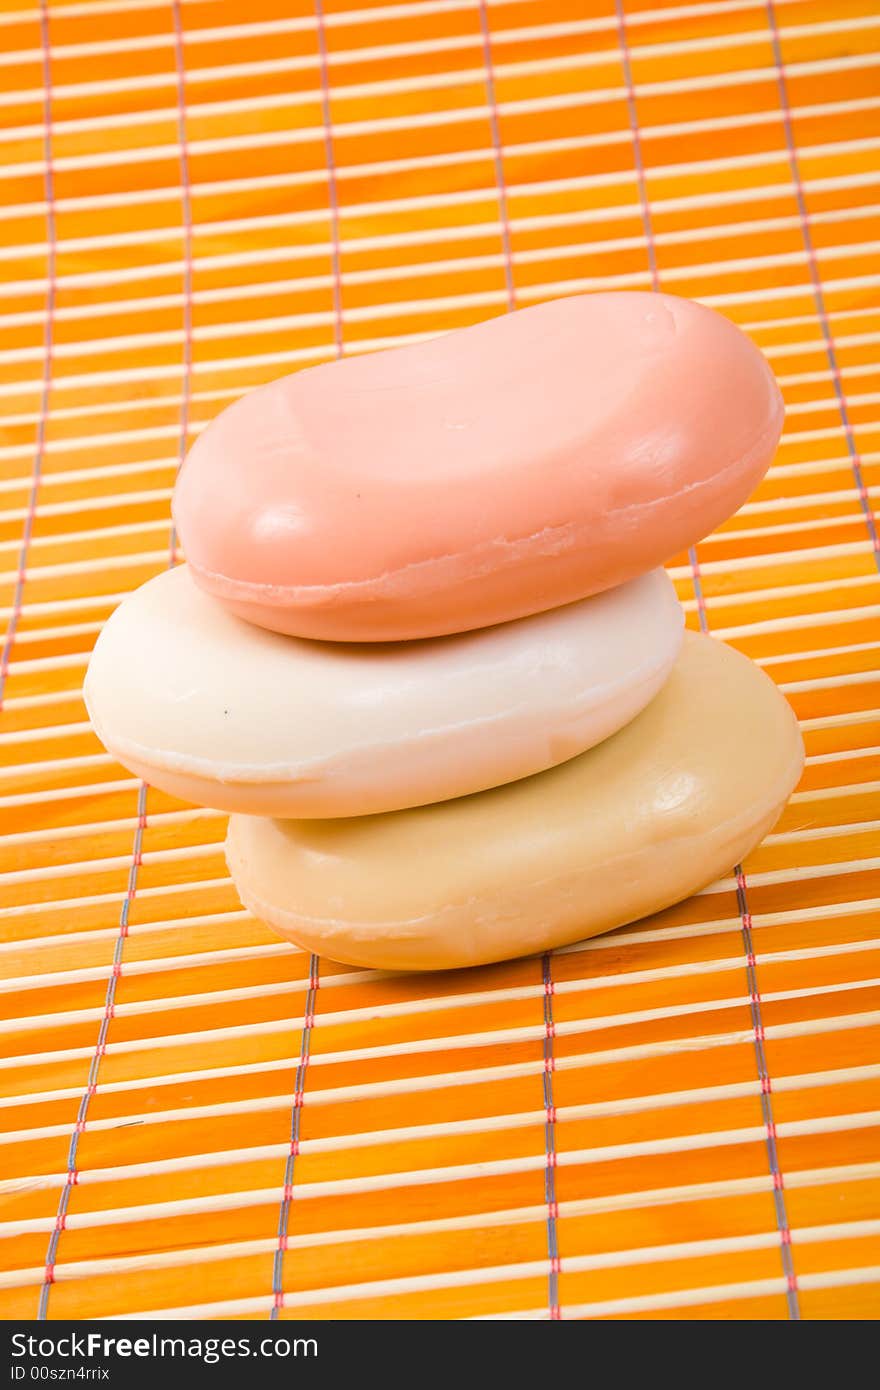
679,1120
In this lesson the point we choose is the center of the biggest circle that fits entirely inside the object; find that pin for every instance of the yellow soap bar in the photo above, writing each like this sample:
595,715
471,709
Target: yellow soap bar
657,811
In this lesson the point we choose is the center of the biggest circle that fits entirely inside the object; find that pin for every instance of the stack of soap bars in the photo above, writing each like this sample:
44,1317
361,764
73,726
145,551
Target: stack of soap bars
423,650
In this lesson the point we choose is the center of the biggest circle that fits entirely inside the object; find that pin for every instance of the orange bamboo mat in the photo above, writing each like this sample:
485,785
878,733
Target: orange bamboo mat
678,1120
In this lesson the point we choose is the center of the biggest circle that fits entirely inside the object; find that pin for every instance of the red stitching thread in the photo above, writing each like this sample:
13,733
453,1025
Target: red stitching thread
498,156
822,316
698,586
22,572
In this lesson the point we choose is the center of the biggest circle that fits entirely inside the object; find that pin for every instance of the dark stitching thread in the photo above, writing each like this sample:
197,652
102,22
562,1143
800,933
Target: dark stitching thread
742,903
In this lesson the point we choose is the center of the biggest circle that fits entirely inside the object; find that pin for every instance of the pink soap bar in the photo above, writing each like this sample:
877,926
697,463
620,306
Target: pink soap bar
494,472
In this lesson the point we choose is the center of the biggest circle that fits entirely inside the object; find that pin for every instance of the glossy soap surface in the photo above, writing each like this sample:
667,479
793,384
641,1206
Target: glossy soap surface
659,810
217,711
496,471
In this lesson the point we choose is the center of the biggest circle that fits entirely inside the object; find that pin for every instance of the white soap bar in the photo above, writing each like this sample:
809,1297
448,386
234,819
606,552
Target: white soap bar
216,711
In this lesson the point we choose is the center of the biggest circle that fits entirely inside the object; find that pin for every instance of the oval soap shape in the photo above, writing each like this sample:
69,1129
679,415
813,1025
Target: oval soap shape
493,472
217,711
657,811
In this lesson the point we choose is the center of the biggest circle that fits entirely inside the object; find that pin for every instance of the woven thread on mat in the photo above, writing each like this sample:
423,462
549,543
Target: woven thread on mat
781,1214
